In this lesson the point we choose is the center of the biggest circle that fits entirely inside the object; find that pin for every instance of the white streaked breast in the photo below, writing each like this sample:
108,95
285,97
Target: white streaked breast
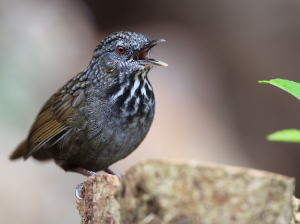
135,86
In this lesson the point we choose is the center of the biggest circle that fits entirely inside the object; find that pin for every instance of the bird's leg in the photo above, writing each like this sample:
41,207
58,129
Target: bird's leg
85,173
109,171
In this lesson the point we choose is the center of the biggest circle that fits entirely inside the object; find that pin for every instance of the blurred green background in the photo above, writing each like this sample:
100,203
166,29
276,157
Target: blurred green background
210,106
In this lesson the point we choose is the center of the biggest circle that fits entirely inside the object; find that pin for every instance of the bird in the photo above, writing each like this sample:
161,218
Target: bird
102,114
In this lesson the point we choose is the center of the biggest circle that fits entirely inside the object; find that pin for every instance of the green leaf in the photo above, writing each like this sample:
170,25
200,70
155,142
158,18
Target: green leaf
287,85
288,135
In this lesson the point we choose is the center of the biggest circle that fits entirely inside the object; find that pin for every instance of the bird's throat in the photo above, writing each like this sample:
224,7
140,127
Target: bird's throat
134,96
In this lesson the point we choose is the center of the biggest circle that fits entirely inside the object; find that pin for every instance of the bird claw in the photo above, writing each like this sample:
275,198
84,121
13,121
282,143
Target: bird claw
78,188
118,175
109,171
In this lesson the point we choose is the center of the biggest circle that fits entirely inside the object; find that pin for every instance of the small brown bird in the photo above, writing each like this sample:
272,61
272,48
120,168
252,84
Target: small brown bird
102,114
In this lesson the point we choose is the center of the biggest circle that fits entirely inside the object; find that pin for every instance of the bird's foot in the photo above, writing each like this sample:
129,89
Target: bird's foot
85,173
109,171
88,174
78,188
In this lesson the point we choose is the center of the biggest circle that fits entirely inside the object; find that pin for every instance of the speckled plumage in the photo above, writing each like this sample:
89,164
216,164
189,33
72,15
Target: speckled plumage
101,115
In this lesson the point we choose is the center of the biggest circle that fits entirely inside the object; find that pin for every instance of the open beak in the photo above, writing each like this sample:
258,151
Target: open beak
142,56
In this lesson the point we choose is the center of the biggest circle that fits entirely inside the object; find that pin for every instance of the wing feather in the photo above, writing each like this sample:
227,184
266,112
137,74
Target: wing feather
55,117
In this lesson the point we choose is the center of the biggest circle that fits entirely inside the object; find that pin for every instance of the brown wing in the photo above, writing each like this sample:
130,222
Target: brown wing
56,115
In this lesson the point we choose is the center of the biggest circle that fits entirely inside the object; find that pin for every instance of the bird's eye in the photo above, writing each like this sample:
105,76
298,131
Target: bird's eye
120,50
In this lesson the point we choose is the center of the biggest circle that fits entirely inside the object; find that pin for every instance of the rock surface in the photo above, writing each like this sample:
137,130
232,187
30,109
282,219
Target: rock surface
162,191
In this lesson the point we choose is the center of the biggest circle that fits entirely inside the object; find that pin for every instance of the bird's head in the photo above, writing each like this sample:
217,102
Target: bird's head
124,52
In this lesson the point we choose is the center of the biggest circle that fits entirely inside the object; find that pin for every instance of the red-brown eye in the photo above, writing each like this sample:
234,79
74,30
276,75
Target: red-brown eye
120,50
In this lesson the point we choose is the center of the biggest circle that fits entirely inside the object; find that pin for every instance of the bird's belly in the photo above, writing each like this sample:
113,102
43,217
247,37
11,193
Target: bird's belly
117,141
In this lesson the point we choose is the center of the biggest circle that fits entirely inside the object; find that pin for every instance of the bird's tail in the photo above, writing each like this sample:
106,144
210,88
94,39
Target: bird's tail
19,151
